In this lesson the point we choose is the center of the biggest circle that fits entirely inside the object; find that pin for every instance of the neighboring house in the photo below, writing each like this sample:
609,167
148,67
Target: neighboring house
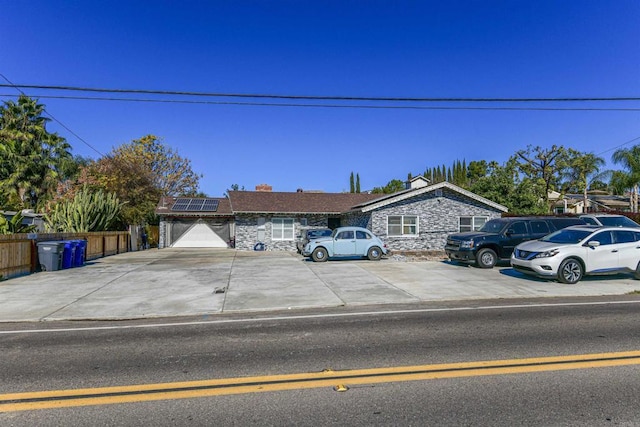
29,217
597,201
418,218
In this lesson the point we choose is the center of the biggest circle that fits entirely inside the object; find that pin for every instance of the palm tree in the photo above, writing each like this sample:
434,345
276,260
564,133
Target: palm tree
583,170
31,156
629,158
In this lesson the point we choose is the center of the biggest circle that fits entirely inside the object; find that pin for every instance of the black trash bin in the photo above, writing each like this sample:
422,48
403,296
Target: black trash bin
50,255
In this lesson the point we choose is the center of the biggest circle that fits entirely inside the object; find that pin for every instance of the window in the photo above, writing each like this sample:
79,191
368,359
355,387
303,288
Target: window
282,229
518,228
402,225
362,235
624,236
472,223
604,238
345,235
539,227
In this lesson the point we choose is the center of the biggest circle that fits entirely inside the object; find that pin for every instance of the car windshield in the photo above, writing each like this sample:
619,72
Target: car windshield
567,235
617,221
492,226
314,234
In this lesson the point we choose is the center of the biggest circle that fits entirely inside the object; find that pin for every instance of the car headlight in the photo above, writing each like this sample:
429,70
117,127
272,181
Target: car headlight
547,254
467,244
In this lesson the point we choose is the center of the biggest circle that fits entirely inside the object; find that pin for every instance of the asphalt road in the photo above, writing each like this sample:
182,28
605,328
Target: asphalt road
274,366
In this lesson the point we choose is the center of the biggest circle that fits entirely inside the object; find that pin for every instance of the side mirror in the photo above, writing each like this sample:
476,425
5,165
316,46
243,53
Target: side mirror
509,232
593,244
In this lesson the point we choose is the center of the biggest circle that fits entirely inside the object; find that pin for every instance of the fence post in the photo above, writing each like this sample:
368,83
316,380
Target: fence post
34,255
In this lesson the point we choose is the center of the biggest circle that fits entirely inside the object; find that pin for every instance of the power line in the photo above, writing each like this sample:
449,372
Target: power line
319,98
267,104
621,145
51,116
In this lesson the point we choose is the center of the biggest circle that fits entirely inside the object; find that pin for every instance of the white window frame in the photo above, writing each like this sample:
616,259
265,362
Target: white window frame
475,222
403,225
283,225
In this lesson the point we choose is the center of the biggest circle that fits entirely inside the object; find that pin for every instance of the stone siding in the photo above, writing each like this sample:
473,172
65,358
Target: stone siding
438,216
162,234
247,231
357,219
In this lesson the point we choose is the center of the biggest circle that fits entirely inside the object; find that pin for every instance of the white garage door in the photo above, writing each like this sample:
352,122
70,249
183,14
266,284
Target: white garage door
199,235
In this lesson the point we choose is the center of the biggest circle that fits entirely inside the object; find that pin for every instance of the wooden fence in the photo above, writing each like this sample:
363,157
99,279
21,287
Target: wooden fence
19,252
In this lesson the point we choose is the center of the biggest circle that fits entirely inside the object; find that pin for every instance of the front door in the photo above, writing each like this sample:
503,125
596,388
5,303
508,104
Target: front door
333,223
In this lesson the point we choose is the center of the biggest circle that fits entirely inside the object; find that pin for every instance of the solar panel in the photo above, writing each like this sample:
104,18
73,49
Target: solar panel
195,205
190,204
181,205
210,205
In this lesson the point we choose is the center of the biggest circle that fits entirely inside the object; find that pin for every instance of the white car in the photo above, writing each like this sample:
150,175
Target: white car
571,253
608,220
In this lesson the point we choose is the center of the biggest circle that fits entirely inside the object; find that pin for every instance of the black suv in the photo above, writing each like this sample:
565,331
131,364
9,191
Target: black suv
498,237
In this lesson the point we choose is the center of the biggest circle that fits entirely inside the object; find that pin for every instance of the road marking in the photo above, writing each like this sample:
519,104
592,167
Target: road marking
25,401
381,312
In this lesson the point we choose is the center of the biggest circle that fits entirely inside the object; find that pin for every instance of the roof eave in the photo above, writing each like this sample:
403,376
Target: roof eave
397,197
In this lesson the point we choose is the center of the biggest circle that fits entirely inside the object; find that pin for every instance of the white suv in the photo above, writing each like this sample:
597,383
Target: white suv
609,220
569,254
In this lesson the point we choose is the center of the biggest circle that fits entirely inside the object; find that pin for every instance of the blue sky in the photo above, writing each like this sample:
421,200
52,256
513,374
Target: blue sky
412,49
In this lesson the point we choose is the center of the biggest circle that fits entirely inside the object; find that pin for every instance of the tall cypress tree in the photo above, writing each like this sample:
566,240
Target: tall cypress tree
352,187
357,183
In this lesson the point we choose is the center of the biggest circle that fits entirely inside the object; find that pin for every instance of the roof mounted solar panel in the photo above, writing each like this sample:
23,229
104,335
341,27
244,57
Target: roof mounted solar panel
185,204
210,205
195,205
181,205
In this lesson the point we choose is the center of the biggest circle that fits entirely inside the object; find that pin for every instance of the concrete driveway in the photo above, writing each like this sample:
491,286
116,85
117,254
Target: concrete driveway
184,282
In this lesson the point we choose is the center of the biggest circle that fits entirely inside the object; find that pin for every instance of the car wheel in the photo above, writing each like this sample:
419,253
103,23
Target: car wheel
319,255
570,271
374,253
486,258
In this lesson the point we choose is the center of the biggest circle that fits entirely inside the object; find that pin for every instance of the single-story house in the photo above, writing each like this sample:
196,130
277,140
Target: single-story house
597,201
418,218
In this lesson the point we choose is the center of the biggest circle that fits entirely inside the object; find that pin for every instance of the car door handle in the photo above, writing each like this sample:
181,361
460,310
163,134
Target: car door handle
614,251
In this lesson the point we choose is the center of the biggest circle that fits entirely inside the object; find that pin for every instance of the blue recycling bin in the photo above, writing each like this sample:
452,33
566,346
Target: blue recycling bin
68,254
80,253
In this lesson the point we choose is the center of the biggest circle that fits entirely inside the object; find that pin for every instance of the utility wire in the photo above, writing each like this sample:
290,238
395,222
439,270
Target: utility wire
319,98
621,145
268,104
17,87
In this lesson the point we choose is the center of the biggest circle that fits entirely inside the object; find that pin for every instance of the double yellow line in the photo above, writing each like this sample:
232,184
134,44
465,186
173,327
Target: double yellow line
338,380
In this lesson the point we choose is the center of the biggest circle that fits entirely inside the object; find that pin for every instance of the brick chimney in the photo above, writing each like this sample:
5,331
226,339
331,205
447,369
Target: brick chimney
264,187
